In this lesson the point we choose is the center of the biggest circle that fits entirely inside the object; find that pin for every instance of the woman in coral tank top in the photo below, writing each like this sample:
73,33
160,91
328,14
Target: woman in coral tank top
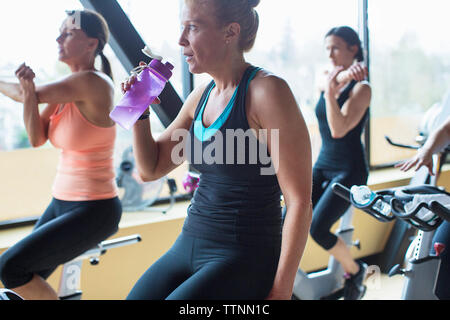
85,208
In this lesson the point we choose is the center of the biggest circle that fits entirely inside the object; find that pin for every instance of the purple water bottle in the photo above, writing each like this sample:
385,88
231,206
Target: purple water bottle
149,84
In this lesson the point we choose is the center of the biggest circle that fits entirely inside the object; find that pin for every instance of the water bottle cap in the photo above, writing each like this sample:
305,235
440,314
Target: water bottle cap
148,52
164,70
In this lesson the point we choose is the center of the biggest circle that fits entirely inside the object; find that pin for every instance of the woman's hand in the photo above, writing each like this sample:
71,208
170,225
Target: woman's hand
128,83
422,158
358,72
333,87
26,77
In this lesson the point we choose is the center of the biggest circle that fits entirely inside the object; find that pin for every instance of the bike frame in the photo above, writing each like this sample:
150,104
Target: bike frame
328,283
70,283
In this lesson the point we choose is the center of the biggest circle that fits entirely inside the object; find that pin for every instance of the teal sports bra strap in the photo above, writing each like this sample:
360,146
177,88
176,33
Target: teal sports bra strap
204,134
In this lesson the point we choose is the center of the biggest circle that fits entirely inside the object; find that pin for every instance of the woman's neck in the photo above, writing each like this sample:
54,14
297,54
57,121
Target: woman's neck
228,75
84,65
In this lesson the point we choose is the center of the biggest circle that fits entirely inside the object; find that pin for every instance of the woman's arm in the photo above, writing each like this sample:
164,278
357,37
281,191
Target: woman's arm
37,133
273,107
437,140
357,71
342,120
87,89
156,158
82,86
35,124
76,87
11,90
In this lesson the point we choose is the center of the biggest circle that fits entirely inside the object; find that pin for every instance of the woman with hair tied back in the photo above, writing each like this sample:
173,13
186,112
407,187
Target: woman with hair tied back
233,244
85,209
342,112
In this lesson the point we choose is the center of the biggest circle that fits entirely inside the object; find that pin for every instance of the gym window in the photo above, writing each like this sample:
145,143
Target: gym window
410,70
409,62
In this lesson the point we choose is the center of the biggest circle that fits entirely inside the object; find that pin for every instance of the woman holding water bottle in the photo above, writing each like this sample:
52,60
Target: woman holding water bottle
341,112
231,245
85,209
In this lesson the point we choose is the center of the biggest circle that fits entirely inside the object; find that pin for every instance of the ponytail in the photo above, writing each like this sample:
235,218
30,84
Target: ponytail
360,55
106,65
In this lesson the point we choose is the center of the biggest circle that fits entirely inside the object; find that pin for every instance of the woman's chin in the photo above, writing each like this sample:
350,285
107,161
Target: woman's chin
61,58
194,69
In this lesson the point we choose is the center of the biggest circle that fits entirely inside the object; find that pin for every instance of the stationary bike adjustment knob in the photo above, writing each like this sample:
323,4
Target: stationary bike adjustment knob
126,166
357,244
439,248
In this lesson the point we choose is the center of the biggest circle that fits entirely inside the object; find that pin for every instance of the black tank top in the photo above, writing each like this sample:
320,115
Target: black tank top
234,201
346,153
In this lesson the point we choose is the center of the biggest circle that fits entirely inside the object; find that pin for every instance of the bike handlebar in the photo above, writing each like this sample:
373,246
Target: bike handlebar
341,191
407,146
440,210
420,139
424,215
369,208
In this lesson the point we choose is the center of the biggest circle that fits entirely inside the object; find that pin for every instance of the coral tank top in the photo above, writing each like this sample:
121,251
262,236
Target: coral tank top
86,170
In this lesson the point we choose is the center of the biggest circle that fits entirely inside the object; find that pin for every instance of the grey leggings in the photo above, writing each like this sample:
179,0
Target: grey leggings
63,232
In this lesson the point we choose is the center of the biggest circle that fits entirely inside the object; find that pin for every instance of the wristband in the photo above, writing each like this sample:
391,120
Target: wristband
144,116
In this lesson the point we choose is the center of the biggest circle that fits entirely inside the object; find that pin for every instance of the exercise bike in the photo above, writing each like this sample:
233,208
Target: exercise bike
69,286
326,284
139,195
424,207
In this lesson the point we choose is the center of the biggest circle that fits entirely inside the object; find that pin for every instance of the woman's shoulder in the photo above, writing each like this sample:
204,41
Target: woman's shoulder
364,83
266,83
88,79
268,91
96,77
96,88
362,86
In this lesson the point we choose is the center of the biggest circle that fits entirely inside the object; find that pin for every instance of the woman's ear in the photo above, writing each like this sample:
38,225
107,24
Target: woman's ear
354,49
232,31
93,44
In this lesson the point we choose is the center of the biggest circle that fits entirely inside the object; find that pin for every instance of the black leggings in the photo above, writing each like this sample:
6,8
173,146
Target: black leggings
329,207
63,232
201,269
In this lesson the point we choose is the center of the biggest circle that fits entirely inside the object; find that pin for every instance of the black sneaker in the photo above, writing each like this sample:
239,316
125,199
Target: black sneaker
353,286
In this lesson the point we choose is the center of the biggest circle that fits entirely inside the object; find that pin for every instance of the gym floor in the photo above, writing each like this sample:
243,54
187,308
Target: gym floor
381,287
